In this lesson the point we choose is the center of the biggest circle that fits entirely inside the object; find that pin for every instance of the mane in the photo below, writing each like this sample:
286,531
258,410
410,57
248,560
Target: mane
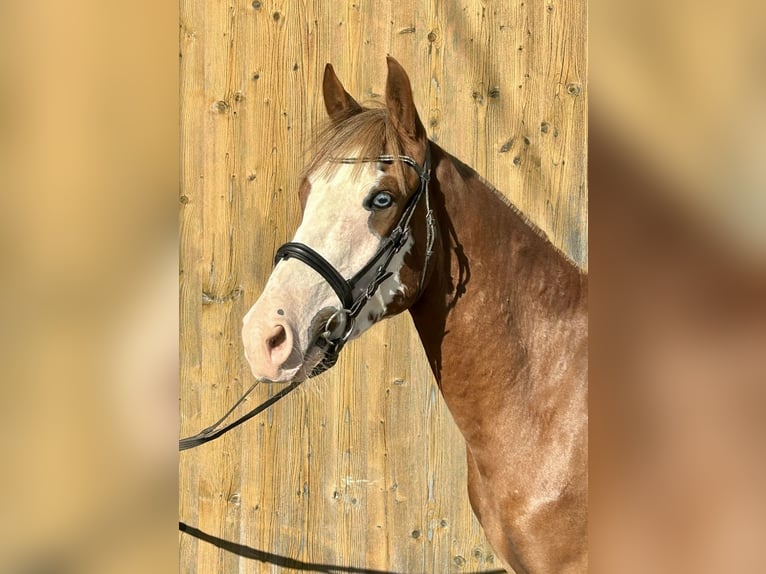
364,135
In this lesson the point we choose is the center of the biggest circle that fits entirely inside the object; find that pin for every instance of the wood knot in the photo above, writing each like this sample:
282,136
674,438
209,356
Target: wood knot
574,89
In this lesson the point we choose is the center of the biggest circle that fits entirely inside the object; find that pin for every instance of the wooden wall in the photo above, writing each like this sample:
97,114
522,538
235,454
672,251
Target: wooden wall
362,466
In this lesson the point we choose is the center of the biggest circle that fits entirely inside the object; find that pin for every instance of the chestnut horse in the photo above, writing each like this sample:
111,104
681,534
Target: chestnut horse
392,222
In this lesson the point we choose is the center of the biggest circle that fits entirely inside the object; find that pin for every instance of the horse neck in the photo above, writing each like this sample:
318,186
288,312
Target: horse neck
492,312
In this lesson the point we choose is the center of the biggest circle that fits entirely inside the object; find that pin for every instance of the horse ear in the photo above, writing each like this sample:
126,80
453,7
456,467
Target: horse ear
338,103
400,103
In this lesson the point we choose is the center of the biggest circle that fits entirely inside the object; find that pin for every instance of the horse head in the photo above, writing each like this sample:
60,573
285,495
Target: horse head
362,249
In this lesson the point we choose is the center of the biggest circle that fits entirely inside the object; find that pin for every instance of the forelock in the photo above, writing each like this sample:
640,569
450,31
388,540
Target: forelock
365,135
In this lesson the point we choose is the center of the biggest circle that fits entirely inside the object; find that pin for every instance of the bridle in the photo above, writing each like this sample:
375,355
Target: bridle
355,292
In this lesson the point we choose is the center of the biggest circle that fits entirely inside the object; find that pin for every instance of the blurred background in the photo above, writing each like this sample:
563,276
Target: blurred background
677,184
88,156
677,177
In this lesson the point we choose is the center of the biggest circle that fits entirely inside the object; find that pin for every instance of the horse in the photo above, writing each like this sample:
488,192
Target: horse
392,222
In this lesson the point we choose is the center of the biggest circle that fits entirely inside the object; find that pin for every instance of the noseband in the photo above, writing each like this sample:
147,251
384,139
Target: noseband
356,291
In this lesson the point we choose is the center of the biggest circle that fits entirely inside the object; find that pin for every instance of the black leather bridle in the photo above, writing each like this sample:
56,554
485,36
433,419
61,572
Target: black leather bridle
353,293
356,291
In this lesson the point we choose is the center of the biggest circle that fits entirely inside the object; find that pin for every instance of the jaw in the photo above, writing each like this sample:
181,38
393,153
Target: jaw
388,299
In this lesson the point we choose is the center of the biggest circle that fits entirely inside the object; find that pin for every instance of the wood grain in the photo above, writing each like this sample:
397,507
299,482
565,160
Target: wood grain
363,466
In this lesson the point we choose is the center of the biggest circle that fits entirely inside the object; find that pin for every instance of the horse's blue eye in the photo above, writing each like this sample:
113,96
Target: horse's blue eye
382,200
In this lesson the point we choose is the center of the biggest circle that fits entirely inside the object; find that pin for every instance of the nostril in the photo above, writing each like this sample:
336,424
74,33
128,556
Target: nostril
277,339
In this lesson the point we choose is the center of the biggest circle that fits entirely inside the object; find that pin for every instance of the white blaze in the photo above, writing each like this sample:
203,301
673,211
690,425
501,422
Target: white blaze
335,224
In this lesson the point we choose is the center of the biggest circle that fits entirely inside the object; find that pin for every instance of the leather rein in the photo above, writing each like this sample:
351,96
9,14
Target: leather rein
353,293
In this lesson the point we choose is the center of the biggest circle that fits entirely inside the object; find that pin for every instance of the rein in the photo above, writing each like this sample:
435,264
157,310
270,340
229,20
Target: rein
355,292
213,431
